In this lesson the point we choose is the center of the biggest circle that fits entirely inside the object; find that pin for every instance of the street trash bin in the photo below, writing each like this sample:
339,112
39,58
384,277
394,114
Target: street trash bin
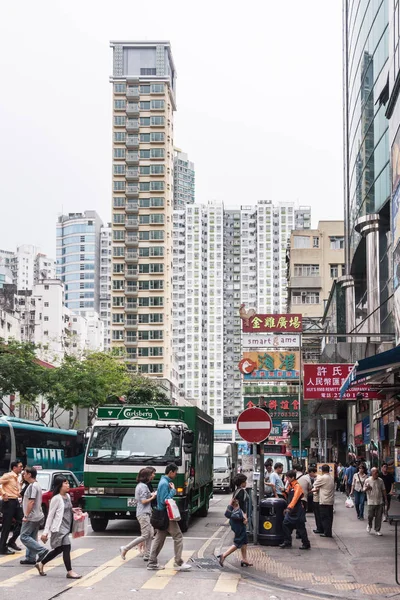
270,521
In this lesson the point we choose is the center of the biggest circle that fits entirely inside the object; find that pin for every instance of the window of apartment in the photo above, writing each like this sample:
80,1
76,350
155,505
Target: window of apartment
156,318
119,219
336,242
158,121
118,301
305,297
118,267
119,152
144,302
157,104
119,201
145,121
157,136
157,169
145,170
118,235
156,268
144,186
118,251
119,121
144,219
118,334
156,186
157,235
156,284
119,136
119,186
119,104
156,202
315,241
157,88
301,241
144,202
157,152
119,88
144,105
119,169
306,270
157,219
118,318
144,89
334,270
46,305
145,137
147,71
118,284
45,318
46,287
157,251
144,235
143,252
144,153
157,301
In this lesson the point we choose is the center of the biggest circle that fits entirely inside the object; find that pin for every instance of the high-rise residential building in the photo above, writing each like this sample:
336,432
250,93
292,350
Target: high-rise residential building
184,180
302,217
316,260
143,83
78,260
28,266
223,259
105,282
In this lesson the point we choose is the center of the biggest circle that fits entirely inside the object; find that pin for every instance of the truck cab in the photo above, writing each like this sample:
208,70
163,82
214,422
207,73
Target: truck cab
225,466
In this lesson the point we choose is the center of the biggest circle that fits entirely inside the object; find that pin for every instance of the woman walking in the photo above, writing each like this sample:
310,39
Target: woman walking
144,499
237,514
358,488
58,524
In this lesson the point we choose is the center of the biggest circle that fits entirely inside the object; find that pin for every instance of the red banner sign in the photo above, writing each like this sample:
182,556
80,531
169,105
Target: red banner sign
323,382
286,323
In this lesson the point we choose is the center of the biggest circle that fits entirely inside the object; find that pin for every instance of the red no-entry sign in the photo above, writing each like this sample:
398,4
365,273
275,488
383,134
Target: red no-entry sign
254,425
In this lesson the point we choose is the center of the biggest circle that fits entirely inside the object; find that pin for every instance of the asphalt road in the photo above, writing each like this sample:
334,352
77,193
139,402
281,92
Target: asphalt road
106,576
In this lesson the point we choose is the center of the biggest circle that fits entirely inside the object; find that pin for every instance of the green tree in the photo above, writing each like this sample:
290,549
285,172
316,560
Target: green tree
88,383
144,390
21,372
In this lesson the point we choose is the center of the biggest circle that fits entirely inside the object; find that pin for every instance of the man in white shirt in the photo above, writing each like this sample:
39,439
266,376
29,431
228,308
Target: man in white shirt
325,484
376,500
275,480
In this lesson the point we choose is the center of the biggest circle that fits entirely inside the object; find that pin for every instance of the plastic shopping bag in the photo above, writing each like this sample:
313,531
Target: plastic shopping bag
349,502
172,510
79,524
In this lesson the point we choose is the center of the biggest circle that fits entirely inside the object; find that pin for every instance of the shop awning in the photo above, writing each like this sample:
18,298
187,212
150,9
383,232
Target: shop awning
371,366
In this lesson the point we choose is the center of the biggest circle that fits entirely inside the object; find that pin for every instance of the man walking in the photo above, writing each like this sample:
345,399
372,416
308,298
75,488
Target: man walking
295,517
11,491
388,480
33,515
376,499
166,490
325,484
349,473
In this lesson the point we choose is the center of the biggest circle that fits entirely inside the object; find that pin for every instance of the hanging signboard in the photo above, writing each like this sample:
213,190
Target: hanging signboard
323,382
284,408
259,340
285,323
274,365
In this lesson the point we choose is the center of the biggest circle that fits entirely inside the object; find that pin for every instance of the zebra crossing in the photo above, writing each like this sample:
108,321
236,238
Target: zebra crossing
114,571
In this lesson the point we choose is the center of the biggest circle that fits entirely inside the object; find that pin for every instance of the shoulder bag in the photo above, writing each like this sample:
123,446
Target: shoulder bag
159,519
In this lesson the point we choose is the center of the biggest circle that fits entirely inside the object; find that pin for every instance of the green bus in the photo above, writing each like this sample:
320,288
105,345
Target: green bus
34,443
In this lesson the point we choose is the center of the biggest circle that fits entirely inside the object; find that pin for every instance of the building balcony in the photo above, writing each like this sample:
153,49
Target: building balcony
132,125
131,256
132,158
132,206
130,291
132,108
132,141
131,275
132,190
131,223
305,282
131,309
132,93
130,343
131,240
132,174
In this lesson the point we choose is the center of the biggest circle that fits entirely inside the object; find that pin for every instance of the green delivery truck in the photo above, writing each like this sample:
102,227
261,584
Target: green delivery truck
125,439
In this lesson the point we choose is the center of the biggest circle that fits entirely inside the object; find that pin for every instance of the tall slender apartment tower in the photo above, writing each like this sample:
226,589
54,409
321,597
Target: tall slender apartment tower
143,158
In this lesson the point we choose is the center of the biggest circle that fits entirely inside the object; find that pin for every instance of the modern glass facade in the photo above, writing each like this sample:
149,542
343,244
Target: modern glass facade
366,50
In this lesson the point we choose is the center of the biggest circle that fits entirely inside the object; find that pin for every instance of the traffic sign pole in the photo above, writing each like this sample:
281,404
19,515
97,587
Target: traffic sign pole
254,497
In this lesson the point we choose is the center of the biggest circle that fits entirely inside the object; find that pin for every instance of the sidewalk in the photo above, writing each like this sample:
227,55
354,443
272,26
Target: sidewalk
352,564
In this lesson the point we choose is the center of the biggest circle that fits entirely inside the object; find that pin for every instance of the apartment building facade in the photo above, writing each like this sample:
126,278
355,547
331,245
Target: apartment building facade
143,81
184,180
28,266
316,260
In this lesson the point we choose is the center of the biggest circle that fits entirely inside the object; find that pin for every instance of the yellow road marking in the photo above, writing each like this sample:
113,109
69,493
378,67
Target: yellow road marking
227,583
201,551
161,579
102,571
6,559
33,572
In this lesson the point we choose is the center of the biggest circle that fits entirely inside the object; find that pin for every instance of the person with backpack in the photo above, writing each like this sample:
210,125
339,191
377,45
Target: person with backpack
237,515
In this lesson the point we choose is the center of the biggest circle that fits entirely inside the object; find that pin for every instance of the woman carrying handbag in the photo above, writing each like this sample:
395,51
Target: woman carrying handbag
59,524
357,487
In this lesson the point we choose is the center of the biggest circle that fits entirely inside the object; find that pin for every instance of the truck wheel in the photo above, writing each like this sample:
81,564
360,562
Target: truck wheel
203,511
99,524
185,520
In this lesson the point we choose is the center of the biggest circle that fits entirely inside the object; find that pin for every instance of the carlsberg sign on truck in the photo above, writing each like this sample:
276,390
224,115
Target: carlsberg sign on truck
126,439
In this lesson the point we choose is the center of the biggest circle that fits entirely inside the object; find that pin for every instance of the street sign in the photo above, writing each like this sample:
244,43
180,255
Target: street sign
247,366
323,382
286,323
265,340
254,425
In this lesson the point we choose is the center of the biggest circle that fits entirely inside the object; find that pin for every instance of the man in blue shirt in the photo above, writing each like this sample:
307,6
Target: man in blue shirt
348,477
166,490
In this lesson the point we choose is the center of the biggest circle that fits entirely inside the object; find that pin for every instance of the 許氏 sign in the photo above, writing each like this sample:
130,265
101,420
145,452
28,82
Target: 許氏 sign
323,381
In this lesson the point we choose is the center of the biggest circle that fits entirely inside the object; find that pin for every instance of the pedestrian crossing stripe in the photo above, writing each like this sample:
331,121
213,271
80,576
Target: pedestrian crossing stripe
161,579
227,583
103,571
6,559
12,581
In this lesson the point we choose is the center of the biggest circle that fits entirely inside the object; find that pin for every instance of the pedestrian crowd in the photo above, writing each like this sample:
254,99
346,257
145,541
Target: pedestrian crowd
21,498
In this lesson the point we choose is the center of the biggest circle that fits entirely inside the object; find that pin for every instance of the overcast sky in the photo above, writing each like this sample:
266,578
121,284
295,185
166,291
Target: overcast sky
259,95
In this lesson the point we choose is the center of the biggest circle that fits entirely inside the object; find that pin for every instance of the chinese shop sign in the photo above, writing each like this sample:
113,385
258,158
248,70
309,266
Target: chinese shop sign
324,381
273,365
272,323
283,408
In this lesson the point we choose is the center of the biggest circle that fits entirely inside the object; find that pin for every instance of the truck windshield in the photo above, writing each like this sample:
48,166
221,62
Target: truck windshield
134,445
220,463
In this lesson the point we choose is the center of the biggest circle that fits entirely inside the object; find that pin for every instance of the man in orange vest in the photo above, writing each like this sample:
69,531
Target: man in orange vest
295,516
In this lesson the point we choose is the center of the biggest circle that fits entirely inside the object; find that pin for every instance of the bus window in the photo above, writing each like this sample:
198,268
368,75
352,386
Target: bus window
5,449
